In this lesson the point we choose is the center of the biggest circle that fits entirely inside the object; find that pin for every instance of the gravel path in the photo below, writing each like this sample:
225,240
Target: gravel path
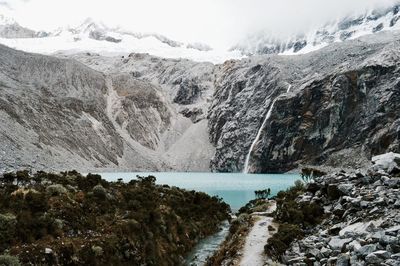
253,252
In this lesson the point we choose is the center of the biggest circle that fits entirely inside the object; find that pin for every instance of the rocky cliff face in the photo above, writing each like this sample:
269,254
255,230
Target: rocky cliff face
337,106
341,108
339,119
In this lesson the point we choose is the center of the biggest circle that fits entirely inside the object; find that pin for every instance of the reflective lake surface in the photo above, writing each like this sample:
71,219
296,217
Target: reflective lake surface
236,189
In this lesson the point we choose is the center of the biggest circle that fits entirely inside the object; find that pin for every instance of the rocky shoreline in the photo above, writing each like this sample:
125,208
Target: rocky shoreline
361,224
340,218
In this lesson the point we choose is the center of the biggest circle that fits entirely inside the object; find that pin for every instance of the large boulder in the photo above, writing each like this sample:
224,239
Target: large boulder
388,162
337,243
333,192
367,249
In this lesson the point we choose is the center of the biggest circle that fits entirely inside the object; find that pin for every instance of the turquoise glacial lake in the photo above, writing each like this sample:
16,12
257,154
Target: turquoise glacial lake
236,189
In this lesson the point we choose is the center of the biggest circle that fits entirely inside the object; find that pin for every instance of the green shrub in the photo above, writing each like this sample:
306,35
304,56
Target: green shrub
23,177
7,260
308,174
98,251
9,177
8,224
141,224
294,218
88,182
56,190
280,241
99,191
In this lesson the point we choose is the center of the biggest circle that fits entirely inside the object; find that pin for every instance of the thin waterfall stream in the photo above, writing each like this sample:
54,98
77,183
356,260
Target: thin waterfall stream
248,157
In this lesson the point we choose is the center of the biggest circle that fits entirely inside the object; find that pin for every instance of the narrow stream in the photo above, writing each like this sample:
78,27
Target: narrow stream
207,246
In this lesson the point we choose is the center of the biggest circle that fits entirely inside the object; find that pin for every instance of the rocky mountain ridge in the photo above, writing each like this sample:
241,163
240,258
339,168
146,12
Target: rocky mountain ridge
346,28
11,29
96,37
335,107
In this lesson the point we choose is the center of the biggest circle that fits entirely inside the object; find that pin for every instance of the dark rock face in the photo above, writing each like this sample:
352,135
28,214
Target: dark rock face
99,36
394,21
346,110
349,22
352,109
195,114
242,97
341,116
378,28
112,39
299,45
188,92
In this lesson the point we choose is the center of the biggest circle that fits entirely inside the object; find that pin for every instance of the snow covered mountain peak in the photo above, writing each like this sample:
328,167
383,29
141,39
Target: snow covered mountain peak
345,28
94,36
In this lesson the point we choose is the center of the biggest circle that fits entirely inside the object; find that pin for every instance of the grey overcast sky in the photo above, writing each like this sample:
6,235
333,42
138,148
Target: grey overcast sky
217,22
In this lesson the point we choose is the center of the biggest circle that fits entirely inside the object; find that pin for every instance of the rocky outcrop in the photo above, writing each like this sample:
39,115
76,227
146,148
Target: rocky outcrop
341,108
361,225
139,108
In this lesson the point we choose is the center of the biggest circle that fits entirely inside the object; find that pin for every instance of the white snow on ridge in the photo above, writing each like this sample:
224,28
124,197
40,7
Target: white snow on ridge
95,37
129,44
345,28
